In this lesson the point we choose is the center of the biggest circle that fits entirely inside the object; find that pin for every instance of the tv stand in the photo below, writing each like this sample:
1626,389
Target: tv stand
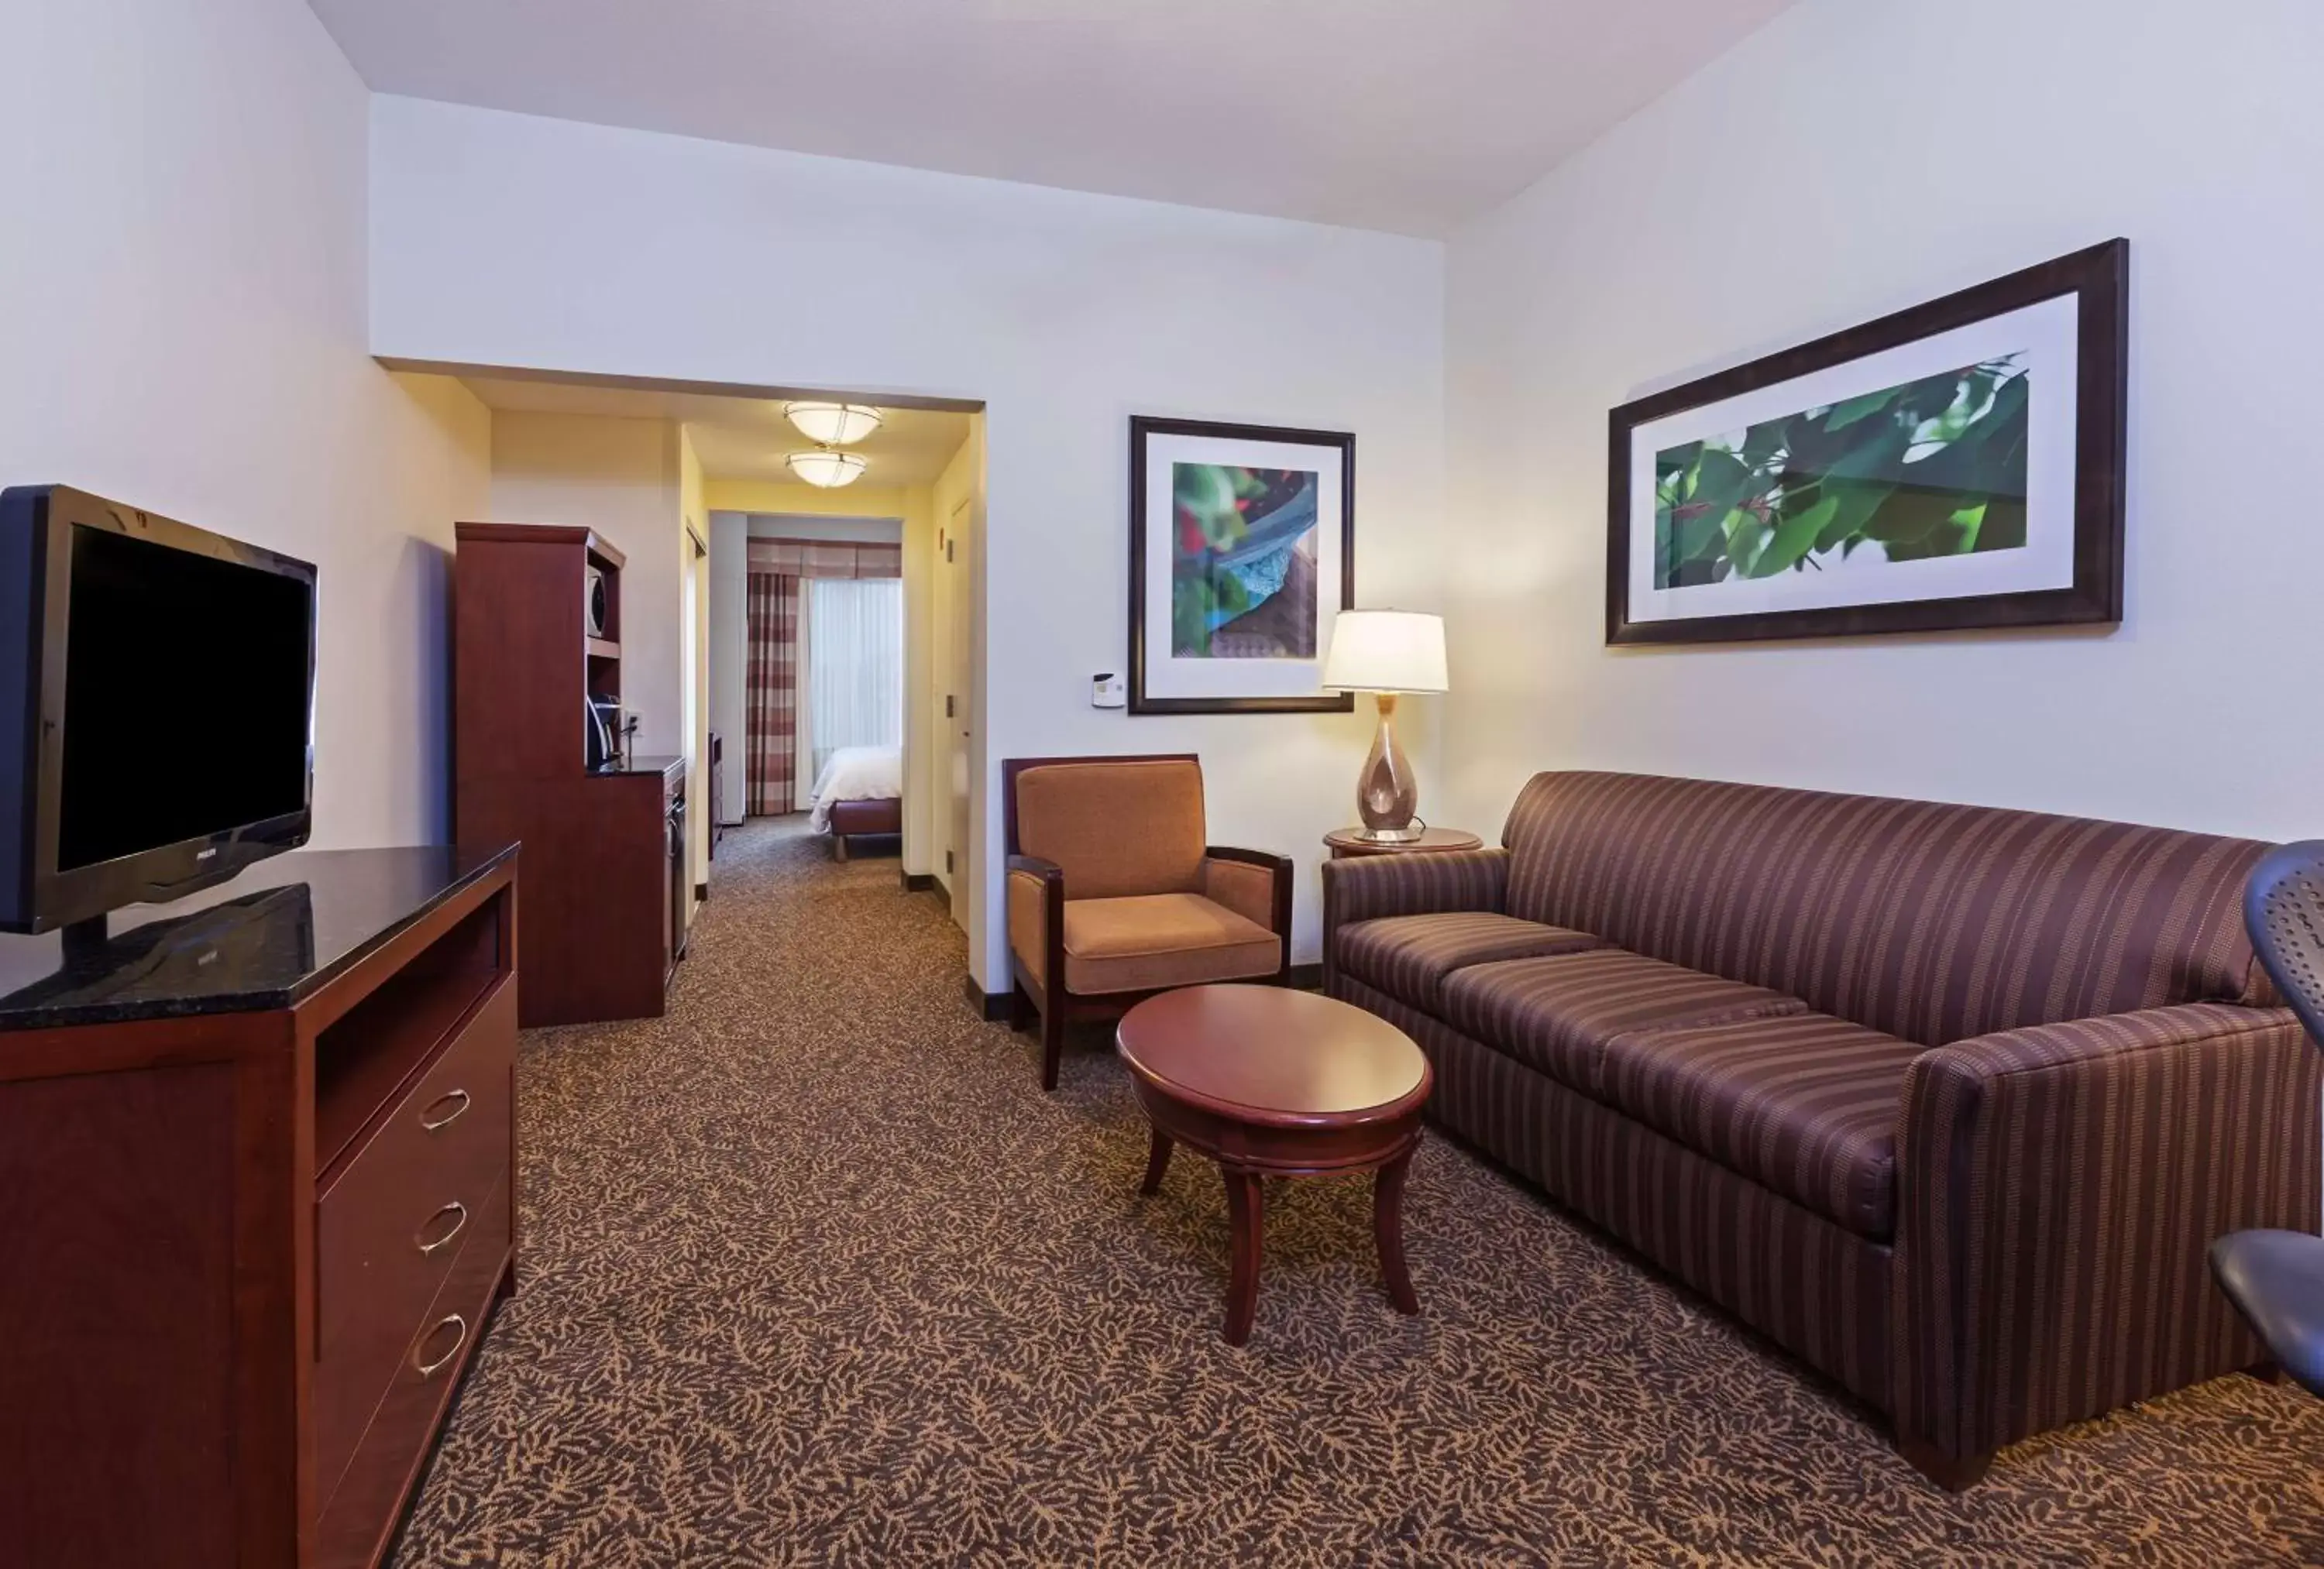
257,1151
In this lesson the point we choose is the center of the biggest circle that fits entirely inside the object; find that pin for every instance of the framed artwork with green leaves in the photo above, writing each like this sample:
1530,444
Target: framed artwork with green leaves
1243,541
1959,465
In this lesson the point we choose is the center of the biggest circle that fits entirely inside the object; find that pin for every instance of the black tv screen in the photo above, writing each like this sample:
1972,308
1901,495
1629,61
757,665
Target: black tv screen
156,707
185,708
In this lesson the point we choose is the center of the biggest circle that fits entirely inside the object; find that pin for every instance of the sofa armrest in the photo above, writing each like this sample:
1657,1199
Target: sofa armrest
2058,1190
1428,883
1037,915
1254,884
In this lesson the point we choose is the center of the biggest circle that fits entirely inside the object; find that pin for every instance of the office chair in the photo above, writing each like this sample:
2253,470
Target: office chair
2277,1278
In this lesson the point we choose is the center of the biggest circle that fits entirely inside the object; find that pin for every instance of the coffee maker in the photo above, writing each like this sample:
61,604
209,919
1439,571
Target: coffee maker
602,734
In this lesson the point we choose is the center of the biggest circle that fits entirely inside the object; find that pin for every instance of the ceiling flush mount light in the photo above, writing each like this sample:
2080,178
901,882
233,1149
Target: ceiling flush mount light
826,468
834,424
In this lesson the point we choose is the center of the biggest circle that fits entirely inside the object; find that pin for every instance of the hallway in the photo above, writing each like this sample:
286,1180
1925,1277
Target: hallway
812,1273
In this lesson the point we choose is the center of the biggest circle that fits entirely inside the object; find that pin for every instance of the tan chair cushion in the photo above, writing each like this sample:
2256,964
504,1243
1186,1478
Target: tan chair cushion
1119,827
1137,943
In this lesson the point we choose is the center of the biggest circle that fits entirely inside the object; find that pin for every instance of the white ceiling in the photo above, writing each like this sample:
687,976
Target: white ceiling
742,438
1401,114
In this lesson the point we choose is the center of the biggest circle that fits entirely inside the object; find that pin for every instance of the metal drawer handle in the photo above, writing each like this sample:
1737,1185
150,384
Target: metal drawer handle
433,1124
456,1209
429,1369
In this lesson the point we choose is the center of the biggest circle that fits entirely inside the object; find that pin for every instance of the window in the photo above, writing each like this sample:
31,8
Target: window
855,664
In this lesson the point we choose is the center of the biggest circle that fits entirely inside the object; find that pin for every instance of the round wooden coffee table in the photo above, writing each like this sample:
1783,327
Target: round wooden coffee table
1270,1082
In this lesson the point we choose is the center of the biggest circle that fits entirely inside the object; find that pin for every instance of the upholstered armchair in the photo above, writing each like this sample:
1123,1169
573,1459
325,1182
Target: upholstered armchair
1113,895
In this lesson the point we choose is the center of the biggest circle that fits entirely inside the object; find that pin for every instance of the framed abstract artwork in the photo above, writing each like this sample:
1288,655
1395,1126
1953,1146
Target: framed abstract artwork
1958,464
1242,544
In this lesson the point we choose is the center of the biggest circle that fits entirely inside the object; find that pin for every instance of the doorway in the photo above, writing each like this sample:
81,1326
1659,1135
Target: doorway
673,472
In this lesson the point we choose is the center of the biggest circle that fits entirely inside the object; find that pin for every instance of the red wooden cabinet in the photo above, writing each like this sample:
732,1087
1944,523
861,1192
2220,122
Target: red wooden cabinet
601,930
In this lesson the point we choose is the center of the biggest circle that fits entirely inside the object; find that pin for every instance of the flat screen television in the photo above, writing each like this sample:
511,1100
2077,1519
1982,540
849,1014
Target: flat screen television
157,686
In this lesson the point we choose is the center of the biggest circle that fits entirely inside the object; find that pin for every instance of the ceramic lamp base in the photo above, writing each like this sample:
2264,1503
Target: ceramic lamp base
1387,796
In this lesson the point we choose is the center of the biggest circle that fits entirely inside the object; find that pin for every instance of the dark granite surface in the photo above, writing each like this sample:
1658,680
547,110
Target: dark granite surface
264,939
650,763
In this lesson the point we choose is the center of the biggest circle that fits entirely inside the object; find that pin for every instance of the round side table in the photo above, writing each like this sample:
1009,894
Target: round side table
1345,843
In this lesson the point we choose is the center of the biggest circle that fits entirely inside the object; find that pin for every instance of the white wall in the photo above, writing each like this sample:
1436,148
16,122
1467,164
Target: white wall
1851,158
621,477
506,240
182,311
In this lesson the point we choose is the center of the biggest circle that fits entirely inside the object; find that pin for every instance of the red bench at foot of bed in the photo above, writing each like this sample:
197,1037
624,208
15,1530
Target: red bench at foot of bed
850,818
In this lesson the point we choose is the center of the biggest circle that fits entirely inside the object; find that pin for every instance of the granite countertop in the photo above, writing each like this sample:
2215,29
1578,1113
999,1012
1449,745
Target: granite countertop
266,939
651,763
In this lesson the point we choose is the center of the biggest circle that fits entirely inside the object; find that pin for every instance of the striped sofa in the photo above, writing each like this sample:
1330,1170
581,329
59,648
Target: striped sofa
1948,1101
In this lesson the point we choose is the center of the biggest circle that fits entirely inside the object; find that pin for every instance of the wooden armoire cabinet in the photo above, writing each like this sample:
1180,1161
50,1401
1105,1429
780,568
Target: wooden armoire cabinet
605,891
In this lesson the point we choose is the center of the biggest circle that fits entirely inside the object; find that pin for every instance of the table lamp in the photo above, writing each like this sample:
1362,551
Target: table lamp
1385,653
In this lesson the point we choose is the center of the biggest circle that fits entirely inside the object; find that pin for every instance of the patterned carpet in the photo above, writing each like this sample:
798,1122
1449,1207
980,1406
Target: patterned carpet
814,1274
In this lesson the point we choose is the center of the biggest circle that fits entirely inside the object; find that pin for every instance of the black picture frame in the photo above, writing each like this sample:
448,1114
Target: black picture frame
2100,276
1144,427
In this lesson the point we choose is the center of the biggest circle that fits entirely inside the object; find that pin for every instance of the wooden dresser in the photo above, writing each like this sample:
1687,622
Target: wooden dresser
605,847
258,1157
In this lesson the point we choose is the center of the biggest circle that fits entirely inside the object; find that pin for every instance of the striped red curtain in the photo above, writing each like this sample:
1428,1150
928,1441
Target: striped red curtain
771,694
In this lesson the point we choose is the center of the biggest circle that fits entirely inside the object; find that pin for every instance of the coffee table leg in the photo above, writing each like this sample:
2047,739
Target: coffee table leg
1246,1213
1157,1160
1388,1229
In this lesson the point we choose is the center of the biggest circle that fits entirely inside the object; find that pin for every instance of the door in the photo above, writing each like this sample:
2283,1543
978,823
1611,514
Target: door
959,702
694,599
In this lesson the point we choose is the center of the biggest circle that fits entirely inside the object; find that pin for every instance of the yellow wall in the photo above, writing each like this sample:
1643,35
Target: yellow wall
692,511
620,478
788,496
694,568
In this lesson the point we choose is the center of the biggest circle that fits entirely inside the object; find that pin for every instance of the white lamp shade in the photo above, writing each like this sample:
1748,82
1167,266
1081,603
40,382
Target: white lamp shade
829,470
1385,651
833,424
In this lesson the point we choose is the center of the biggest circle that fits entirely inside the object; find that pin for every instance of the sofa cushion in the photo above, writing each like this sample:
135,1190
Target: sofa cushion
1137,943
1804,1103
1557,1014
1408,956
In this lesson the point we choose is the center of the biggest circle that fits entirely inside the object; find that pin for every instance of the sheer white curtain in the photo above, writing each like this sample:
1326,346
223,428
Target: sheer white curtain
804,765
854,639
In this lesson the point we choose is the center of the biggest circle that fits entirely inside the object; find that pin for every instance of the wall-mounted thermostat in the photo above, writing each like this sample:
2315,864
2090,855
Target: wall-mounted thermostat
1107,691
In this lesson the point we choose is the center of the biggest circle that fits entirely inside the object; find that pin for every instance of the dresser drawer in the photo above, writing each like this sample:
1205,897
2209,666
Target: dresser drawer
397,1217
362,1513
